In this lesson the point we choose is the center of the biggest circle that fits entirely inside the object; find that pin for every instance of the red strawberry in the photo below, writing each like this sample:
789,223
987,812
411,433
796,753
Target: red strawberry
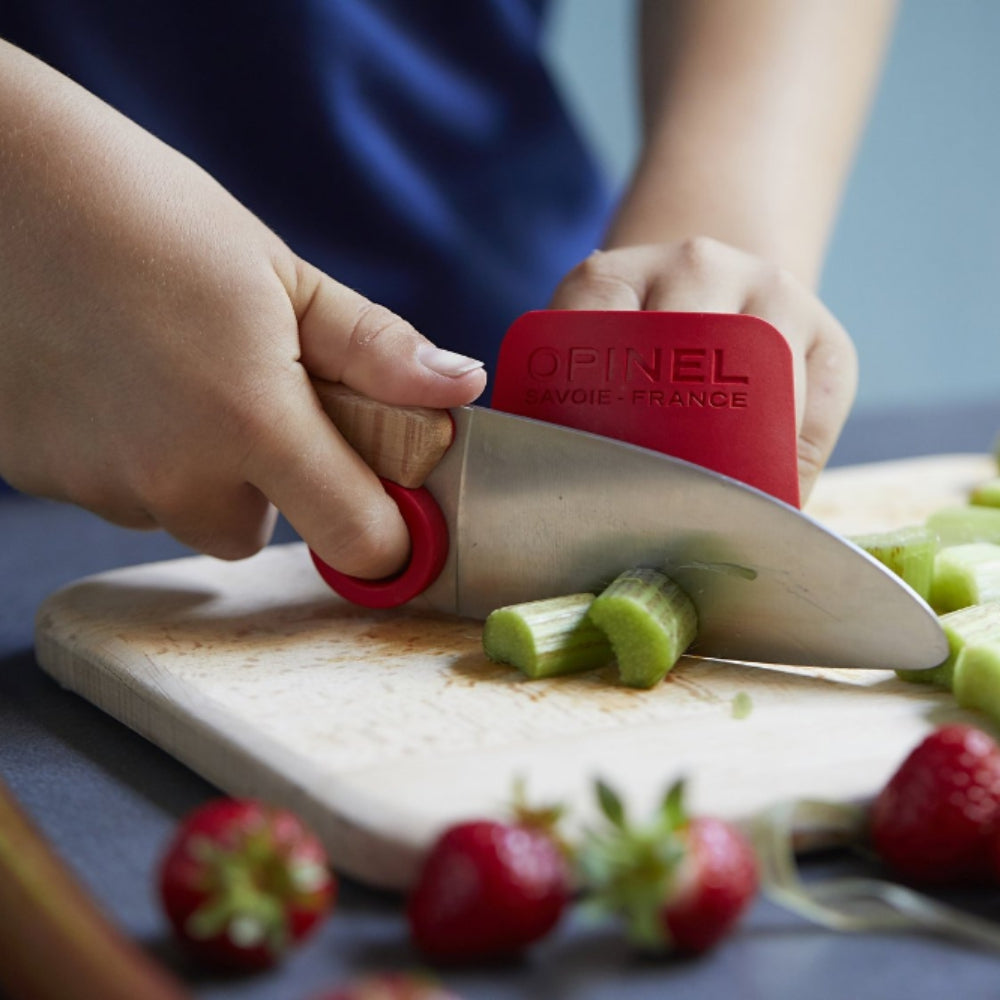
680,883
935,820
488,889
712,886
243,882
391,986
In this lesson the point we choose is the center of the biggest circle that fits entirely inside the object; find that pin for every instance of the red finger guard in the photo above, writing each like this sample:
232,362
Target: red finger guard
428,551
715,389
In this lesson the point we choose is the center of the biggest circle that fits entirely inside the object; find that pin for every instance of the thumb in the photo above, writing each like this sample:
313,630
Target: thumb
347,338
330,497
304,466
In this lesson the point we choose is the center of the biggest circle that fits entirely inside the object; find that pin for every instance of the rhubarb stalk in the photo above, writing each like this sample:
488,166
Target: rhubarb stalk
57,943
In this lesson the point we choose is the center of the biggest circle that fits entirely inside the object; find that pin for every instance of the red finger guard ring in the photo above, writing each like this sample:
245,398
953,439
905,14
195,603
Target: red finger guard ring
428,552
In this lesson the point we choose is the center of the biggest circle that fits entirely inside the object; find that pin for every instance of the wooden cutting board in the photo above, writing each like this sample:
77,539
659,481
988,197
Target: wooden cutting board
381,727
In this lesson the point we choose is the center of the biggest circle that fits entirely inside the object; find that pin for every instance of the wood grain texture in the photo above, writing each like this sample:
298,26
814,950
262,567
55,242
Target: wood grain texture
381,727
401,443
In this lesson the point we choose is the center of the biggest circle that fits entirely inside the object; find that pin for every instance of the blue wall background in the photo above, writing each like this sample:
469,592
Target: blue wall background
914,266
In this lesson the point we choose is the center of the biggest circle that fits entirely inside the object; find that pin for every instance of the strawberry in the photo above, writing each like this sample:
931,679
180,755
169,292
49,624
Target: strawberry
680,883
935,820
390,986
243,882
712,886
488,889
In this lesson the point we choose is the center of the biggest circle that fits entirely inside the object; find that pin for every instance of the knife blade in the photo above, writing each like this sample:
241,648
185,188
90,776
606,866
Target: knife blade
533,510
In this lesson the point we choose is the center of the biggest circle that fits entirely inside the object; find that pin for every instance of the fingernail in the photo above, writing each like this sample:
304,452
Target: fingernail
446,362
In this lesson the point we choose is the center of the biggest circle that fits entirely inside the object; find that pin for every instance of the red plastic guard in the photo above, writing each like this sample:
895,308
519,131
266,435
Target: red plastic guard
716,389
428,551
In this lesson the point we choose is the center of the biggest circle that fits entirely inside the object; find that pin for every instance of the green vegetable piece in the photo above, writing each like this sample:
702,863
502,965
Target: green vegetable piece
976,683
965,574
974,640
960,524
978,624
649,621
547,638
742,705
986,494
935,676
908,551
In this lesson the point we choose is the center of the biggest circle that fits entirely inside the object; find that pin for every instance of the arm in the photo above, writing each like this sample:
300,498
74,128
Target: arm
158,339
752,111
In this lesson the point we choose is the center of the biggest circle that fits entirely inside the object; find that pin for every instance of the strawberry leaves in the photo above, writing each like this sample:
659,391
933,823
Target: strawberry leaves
677,882
627,871
242,883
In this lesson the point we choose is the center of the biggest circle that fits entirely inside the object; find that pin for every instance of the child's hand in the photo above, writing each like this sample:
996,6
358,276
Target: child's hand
703,275
157,342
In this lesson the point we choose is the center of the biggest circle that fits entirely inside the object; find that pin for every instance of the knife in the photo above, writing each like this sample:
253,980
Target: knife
503,509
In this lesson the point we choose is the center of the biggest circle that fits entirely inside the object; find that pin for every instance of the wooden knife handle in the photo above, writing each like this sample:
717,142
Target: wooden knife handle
401,443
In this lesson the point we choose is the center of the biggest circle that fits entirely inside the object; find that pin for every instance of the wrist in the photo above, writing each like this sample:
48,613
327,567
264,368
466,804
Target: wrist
664,206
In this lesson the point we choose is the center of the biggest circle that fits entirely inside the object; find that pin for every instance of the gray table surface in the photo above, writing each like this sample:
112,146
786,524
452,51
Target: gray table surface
108,801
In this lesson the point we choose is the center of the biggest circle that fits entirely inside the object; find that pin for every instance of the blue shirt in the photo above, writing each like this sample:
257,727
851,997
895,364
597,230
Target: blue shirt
416,150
